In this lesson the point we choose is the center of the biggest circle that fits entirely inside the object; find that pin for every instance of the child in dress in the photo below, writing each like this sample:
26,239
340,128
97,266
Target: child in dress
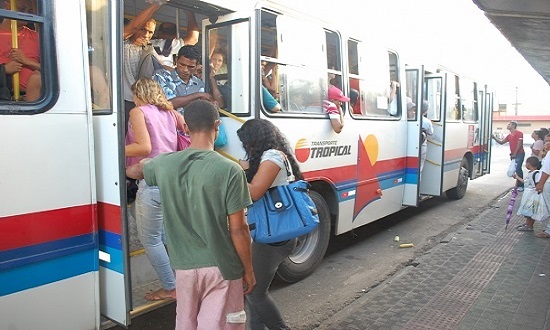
531,179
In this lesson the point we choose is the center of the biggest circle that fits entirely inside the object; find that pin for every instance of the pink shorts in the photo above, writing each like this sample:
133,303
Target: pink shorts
206,301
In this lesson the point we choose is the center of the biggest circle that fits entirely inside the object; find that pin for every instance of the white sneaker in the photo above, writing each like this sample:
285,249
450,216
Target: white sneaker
520,189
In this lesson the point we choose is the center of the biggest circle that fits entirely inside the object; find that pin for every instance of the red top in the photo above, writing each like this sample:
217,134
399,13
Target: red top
514,138
29,45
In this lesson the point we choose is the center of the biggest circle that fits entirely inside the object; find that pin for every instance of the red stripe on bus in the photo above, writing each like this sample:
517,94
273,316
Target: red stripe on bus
349,172
109,217
46,226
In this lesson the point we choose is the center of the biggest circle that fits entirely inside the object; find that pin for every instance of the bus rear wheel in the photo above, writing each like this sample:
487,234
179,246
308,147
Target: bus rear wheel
460,190
311,248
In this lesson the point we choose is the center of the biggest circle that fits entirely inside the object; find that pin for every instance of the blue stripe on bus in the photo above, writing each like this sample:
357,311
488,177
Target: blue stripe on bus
48,271
411,176
50,250
110,239
116,260
391,179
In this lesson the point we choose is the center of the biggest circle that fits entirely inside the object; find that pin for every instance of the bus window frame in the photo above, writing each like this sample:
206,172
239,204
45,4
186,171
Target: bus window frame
111,60
452,99
48,62
287,63
364,71
468,96
230,73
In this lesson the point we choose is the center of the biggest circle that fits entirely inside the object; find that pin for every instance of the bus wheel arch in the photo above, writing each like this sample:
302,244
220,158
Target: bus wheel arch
464,175
311,248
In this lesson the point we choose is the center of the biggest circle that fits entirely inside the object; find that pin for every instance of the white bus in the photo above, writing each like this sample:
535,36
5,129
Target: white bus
69,257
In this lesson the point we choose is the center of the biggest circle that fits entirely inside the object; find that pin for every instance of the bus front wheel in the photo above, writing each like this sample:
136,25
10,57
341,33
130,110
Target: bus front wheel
311,248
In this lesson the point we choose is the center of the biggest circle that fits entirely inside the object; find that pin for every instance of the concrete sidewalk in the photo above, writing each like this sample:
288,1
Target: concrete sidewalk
481,277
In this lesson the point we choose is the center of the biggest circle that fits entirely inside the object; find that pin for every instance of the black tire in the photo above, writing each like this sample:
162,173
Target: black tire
311,248
462,184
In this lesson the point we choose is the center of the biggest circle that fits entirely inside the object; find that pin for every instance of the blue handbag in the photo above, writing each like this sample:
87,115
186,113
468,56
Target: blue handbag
284,212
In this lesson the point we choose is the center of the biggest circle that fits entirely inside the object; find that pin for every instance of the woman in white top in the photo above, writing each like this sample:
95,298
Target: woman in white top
267,150
538,145
543,186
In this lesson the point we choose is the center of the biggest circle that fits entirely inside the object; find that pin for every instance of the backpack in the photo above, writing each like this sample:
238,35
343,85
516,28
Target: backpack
167,49
148,63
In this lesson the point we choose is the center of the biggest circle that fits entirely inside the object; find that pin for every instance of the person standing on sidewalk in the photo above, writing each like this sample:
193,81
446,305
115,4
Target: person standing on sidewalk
515,138
543,186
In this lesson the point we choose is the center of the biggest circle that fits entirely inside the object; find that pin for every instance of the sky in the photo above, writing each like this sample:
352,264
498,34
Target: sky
453,33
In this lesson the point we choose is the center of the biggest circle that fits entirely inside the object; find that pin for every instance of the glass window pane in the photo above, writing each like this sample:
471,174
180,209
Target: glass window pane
232,80
21,56
99,39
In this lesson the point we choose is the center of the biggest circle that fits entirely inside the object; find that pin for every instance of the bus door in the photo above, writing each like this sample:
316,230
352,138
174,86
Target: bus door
414,78
432,173
103,19
478,134
231,32
485,134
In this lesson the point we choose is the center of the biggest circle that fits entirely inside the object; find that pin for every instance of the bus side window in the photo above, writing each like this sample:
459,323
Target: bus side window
468,95
394,97
22,56
303,85
99,36
374,74
452,111
269,68
354,80
234,43
334,67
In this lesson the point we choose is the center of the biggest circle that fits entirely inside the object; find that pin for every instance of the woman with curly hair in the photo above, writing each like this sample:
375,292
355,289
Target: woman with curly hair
152,131
267,150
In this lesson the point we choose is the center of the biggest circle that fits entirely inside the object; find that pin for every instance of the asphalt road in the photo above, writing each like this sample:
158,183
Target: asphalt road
359,261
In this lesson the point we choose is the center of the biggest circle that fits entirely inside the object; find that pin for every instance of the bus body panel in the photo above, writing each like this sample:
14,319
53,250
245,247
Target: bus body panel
48,217
53,306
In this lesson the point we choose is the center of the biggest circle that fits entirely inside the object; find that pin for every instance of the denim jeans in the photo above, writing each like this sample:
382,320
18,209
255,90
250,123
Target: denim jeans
150,226
265,260
519,168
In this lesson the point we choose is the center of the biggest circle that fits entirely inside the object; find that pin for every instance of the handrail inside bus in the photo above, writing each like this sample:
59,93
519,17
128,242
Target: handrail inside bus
14,44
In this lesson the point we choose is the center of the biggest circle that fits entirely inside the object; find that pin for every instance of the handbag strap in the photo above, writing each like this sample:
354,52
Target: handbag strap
535,177
176,121
289,174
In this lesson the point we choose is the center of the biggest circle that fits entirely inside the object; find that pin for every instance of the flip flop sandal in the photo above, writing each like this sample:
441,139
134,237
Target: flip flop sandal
543,235
525,228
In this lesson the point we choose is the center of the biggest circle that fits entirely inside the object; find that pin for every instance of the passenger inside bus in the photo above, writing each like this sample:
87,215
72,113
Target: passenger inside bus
101,98
411,109
394,85
354,99
269,77
198,71
24,59
334,108
182,86
137,35
167,44
218,66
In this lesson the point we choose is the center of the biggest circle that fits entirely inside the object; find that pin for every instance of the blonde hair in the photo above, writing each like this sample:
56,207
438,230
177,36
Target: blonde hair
149,91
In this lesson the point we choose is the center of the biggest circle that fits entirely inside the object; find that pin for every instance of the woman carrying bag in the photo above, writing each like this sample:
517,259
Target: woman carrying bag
152,131
266,150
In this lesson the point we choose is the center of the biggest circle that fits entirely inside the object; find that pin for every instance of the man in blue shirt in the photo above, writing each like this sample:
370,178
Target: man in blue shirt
181,86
